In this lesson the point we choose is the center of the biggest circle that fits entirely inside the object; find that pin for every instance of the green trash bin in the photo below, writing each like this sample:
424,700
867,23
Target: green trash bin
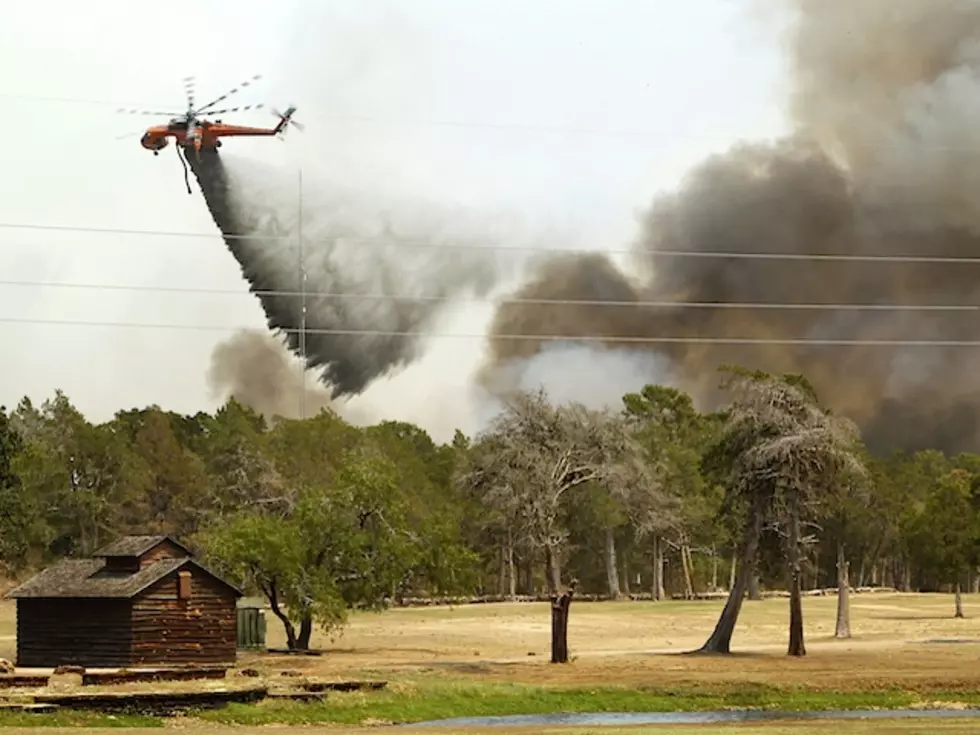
251,623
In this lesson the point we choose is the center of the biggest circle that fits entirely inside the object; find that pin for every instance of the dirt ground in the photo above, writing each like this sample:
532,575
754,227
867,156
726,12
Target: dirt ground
911,641
898,638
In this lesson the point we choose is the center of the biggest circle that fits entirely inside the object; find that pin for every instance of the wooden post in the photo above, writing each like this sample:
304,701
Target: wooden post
559,624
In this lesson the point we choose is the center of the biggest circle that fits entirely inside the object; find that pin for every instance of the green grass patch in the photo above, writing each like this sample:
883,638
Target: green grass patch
420,700
76,718
408,703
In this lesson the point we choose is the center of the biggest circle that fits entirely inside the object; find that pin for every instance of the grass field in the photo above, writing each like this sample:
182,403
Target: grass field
493,659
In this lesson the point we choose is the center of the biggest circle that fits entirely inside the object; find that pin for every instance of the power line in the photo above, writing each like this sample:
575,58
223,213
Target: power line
349,295
423,122
418,122
522,337
482,245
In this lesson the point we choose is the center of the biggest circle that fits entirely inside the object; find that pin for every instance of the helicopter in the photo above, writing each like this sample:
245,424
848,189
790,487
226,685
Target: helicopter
191,131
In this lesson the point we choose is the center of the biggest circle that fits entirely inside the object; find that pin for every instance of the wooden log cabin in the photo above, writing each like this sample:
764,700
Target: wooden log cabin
140,601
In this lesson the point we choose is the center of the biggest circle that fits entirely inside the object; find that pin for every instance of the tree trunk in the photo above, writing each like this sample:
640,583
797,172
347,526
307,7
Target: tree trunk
502,572
658,569
272,595
843,629
754,593
796,644
975,587
720,640
686,566
305,632
553,569
511,567
612,570
527,574
625,587
714,569
731,572
958,600
559,624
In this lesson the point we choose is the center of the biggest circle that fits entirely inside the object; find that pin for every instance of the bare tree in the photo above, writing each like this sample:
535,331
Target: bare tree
534,453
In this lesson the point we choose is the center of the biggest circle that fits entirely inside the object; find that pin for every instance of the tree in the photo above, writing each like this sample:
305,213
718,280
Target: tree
534,453
945,535
782,452
344,544
86,477
15,510
674,435
176,479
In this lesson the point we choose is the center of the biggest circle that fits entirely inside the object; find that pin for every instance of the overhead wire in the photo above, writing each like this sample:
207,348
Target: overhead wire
424,122
459,244
351,295
623,339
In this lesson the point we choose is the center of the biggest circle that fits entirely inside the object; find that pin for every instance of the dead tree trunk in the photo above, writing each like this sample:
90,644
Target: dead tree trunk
796,645
612,572
843,629
658,569
554,569
958,600
559,624
511,567
686,566
720,640
502,574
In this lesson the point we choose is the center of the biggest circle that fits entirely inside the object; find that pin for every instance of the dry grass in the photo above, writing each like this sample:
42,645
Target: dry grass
622,644
617,643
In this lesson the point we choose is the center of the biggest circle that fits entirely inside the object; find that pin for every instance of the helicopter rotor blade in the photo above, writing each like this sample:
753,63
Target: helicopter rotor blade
156,113
229,93
189,89
241,108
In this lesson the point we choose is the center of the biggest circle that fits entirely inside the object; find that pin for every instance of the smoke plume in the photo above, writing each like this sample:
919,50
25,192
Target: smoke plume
885,160
374,282
255,369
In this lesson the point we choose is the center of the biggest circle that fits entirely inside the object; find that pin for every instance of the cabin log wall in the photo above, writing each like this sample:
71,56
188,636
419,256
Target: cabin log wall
167,629
52,632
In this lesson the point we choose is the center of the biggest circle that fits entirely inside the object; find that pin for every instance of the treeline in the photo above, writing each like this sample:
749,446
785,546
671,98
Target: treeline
656,498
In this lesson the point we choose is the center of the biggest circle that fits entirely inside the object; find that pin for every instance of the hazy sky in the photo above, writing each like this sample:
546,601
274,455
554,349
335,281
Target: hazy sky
567,114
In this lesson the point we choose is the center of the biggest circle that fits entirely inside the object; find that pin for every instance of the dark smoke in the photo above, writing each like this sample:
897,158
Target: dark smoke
885,160
351,340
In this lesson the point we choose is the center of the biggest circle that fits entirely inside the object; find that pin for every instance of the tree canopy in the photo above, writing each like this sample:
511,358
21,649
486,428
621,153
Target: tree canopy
654,497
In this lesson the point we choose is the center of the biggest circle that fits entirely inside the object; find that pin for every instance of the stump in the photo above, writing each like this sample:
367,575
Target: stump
559,624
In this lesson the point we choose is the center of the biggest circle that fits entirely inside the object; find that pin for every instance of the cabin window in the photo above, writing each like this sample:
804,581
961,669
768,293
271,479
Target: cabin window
183,585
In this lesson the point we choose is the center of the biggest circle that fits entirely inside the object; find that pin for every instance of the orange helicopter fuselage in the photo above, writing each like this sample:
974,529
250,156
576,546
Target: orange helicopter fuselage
204,136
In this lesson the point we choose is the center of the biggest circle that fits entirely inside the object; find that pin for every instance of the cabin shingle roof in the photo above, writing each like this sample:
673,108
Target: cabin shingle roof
90,578
136,546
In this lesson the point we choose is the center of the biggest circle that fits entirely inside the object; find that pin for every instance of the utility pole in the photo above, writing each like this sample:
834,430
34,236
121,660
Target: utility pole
302,285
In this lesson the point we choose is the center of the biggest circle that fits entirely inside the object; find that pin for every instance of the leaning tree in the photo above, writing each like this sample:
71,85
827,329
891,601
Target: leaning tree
780,454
